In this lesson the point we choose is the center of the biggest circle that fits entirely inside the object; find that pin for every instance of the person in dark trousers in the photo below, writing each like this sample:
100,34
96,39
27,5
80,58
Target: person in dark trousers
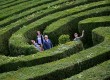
39,38
47,44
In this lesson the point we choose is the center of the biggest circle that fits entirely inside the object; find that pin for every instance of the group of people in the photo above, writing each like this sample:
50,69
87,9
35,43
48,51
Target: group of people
44,43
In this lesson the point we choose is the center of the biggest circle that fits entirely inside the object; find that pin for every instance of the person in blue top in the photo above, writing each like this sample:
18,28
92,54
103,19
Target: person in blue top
47,44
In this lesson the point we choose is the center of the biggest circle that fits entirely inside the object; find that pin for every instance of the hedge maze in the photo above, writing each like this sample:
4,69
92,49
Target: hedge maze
86,60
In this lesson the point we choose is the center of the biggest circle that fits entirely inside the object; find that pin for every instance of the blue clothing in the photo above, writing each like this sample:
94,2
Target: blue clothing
47,44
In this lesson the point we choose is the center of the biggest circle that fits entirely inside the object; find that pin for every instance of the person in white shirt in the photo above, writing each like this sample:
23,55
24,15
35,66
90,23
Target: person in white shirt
39,39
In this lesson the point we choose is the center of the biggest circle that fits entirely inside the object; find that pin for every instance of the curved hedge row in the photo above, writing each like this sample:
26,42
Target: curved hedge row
65,67
59,62
20,8
12,4
99,72
66,25
56,53
32,11
92,23
104,68
7,31
29,32
6,2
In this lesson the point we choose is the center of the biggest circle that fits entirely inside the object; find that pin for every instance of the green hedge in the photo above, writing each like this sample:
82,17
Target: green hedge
91,23
63,39
65,67
69,25
56,53
6,2
20,8
12,4
7,31
32,12
28,32
99,72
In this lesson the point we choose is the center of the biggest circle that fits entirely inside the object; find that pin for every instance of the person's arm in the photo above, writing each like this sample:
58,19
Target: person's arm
51,43
42,39
82,34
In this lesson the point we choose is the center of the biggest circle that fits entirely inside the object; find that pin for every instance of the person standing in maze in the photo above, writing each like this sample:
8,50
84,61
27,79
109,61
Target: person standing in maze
78,38
39,39
47,44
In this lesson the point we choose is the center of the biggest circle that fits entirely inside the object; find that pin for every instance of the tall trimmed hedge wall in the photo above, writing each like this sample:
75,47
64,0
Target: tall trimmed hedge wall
19,23
91,23
67,66
28,32
99,72
13,27
8,30
58,52
70,23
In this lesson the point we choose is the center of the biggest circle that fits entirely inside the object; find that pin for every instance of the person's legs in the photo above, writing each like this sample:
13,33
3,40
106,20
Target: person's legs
41,48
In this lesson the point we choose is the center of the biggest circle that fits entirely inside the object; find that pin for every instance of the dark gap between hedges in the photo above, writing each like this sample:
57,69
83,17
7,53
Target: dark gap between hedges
107,78
34,19
25,9
5,24
76,21
14,4
8,67
74,69
71,36
14,20
7,3
51,21
98,24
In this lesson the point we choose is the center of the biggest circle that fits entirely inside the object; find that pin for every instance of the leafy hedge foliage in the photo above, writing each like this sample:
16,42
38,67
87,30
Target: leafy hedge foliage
58,52
63,39
11,4
66,25
22,7
6,32
31,12
99,72
28,33
6,2
67,66
91,23
62,68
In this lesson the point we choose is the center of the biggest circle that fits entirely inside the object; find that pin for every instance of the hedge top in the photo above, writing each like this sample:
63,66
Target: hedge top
48,68
99,72
96,19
